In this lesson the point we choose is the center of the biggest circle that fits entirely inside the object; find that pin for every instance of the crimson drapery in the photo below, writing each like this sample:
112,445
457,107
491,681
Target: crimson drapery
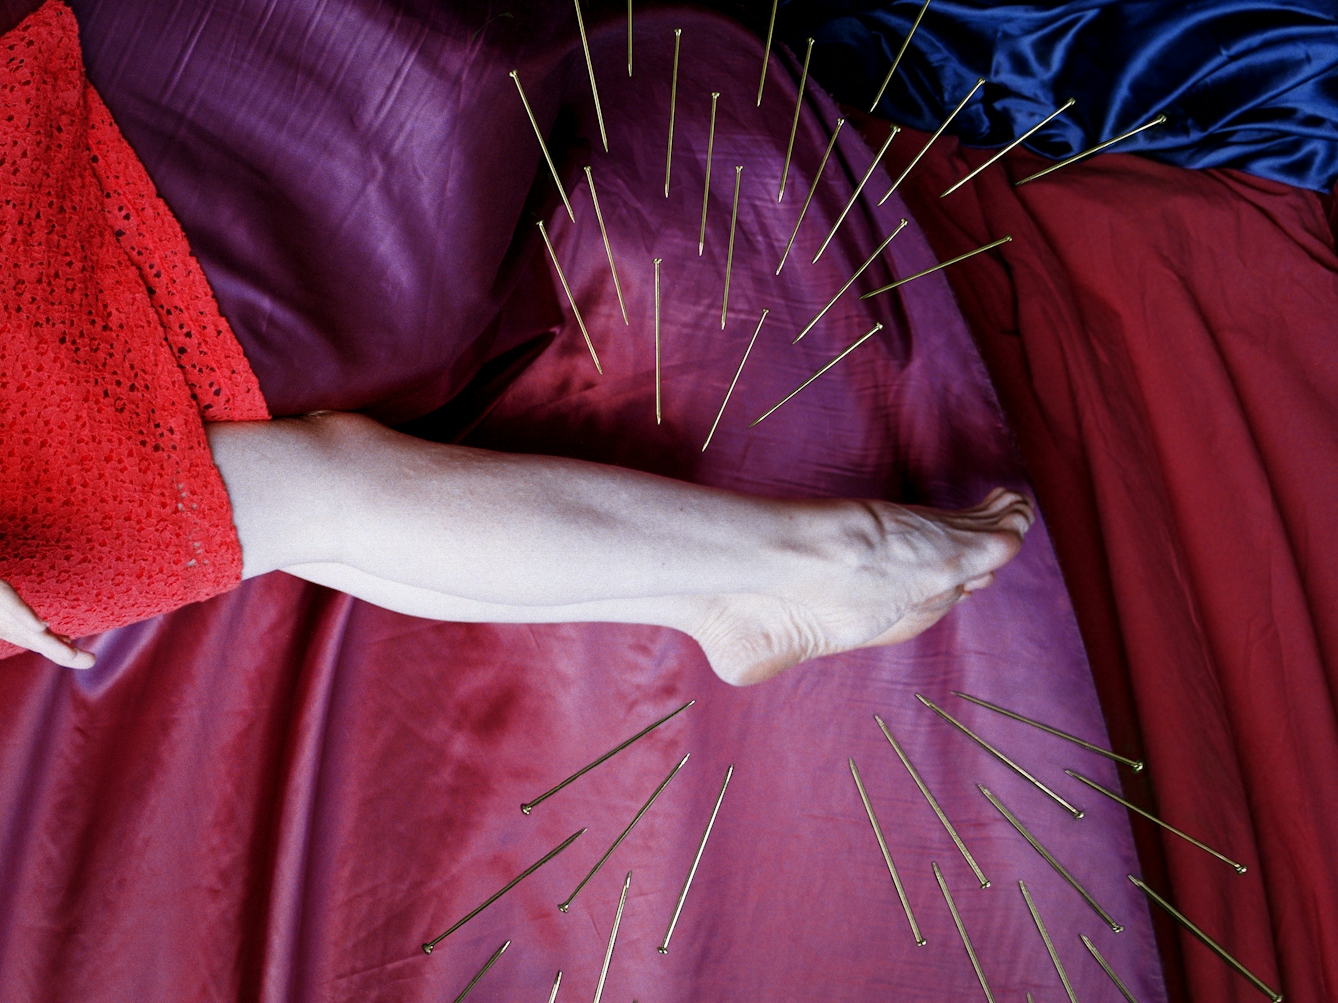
1165,343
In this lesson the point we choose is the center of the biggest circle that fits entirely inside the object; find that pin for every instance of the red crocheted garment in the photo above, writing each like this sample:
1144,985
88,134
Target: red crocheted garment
112,354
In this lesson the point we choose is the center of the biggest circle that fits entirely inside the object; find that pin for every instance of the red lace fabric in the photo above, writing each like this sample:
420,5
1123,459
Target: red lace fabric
112,355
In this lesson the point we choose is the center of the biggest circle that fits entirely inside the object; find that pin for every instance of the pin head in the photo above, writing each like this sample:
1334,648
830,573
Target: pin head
427,948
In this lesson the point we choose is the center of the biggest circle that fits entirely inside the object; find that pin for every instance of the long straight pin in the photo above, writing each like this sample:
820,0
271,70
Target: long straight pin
887,856
557,982
657,340
571,299
1075,812
1049,859
613,937
629,38
980,82
830,144
961,930
858,188
929,271
896,62
1017,142
1119,983
735,380
863,338
794,125
483,971
564,906
1159,120
673,104
543,145
428,947
1135,764
706,187
766,52
966,854
608,249
531,805
590,66
849,282
1239,868
729,257
682,896
1211,944
1049,944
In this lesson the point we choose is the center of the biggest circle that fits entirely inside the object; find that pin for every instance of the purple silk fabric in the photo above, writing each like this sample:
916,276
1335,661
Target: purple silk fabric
279,794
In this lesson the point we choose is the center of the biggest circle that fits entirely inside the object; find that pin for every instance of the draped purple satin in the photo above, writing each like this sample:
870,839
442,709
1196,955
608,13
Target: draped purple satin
279,794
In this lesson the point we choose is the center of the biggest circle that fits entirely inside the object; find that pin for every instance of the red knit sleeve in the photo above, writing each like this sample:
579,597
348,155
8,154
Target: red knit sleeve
111,349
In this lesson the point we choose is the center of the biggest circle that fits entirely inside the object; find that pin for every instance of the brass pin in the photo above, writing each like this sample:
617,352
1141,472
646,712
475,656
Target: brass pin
830,144
1049,859
1017,142
673,103
629,38
1239,868
858,188
980,82
590,66
483,971
706,188
428,947
863,338
557,981
729,257
673,921
1159,120
1119,984
613,937
657,340
766,52
1211,944
735,380
794,125
531,805
1029,999
1135,764
849,282
608,249
887,856
543,145
1075,812
1049,944
564,906
900,52
928,271
905,761
571,299
961,930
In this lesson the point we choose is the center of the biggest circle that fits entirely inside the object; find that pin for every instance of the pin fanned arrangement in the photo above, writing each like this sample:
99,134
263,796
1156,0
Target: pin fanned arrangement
702,126
1012,821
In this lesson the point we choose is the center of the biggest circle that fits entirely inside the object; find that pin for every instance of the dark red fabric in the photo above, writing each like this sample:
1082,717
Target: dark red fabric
1164,343
112,351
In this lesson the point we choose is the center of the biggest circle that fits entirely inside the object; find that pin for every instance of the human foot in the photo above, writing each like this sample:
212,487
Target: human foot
904,569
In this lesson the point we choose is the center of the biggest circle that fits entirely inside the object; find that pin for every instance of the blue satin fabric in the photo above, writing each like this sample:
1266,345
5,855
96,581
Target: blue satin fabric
1251,84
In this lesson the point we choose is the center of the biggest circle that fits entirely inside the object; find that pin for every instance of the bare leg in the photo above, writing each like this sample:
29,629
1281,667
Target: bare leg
761,584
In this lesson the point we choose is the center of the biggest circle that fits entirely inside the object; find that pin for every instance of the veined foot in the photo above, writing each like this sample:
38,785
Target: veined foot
900,570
